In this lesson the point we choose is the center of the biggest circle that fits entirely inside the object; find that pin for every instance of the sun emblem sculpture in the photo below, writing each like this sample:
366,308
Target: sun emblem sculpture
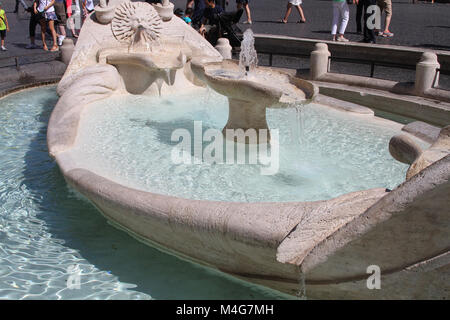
133,19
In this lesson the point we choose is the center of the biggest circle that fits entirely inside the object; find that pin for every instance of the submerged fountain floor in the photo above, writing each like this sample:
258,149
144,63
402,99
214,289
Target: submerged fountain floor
323,152
45,229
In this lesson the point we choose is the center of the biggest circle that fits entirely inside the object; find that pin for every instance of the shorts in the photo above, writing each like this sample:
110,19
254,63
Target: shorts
3,34
295,2
60,11
50,16
385,5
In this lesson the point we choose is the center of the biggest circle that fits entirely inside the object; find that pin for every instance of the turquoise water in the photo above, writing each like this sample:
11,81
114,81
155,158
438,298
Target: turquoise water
46,230
323,152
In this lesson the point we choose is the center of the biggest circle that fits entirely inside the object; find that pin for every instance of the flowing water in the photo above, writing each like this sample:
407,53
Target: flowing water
248,58
50,239
323,152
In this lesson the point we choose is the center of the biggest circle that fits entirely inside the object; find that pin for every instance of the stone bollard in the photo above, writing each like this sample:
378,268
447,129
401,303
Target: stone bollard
319,62
67,50
224,48
426,76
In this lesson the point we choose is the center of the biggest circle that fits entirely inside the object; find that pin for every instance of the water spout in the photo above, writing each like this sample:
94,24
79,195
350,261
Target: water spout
159,83
301,294
248,58
169,80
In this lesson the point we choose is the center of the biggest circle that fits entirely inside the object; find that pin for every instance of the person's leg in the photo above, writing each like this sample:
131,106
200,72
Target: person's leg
62,29
60,11
359,11
288,12
344,13
51,25
369,33
43,24
300,12
32,31
16,9
71,23
381,5
388,9
247,11
2,38
335,20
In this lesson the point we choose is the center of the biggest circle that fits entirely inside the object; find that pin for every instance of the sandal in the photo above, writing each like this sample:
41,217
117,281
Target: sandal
45,48
53,49
282,21
301,21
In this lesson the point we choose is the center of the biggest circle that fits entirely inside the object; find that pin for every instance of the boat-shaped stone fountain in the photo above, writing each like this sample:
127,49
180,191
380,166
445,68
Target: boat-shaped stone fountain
137,52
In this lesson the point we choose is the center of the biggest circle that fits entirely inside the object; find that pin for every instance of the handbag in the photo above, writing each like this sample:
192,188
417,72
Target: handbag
39,16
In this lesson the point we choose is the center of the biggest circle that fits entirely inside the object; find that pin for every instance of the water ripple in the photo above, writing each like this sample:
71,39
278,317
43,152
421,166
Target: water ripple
48,235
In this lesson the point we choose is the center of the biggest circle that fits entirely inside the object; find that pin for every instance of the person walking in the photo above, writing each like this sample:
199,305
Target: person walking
46,15
341,15
244,4
297,4
4,27
386,6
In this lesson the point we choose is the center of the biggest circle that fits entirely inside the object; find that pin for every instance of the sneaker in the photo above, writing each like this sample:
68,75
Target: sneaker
4,48
247,22
60,40
380,33
31,46
388,34
342,39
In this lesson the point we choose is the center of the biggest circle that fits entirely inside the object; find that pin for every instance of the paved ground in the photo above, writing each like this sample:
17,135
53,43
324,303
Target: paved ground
421,25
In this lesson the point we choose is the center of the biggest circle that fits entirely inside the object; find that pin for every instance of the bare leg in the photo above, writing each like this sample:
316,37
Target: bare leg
51,25
300,11
388,22
62,30
247,11
43,29
288,12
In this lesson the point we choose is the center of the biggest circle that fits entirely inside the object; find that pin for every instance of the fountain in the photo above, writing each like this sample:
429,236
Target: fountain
142,76
251,90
